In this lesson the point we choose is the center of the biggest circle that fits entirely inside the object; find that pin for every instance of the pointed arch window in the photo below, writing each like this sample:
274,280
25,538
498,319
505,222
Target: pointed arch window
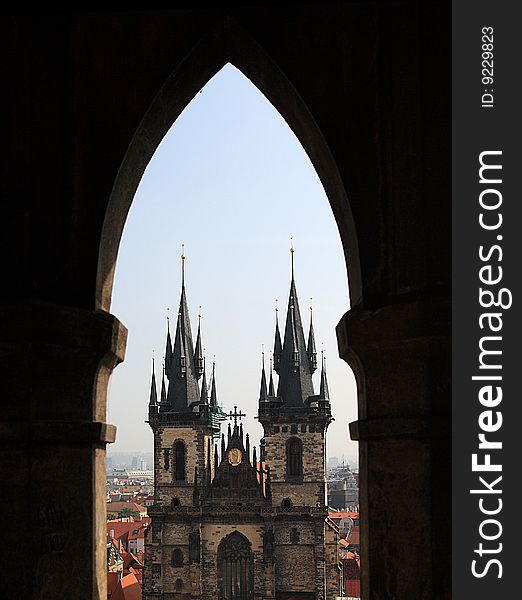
179,461
294,458
177,558
235,568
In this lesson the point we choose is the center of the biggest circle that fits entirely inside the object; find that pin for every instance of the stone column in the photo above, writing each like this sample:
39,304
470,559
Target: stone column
401,356
55,367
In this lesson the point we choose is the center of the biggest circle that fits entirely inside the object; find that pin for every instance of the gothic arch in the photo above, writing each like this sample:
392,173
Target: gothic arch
177,559
179,460
294,458
235,564
222,45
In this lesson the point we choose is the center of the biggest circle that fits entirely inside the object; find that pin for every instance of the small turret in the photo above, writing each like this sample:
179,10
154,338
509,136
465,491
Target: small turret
198,352
271,388
324,394
203,396
163,397
153,399
213,391
310,348
278,348
263,394
168,349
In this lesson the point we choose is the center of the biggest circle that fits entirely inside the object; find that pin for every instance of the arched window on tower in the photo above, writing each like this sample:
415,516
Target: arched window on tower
177,558
179,461
294,458
235,568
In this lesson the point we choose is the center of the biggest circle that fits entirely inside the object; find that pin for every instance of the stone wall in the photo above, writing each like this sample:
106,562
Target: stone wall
196,447
312,489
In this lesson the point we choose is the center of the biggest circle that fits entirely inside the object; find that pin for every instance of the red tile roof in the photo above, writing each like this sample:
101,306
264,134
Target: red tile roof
344,515
123,531
129,588
116,507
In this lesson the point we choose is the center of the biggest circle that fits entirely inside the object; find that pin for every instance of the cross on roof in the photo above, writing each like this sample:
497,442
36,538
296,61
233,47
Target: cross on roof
235,415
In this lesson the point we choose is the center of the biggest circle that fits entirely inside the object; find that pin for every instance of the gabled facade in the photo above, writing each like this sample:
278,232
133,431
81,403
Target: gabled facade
230,523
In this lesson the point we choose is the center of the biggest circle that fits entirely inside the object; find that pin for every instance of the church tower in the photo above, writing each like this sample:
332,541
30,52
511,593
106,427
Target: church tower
295,419
184,420
229,523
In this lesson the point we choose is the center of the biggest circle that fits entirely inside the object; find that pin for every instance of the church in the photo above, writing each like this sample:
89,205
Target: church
230,522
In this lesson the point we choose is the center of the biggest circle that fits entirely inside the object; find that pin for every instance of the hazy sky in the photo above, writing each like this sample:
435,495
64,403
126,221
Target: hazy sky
231,181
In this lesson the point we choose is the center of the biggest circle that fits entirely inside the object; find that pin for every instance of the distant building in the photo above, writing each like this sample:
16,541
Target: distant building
140,473
343,491
226,526
333,462
115,508
128,533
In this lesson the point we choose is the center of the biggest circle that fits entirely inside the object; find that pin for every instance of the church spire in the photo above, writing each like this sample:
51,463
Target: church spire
277,343
271,390
203,399
168,348
310,348
263,390
163,397
153,400
198,352
183,388
213,391
295,372
324,394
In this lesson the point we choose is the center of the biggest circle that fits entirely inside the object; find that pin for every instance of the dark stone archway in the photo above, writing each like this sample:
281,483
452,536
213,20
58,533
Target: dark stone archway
91,95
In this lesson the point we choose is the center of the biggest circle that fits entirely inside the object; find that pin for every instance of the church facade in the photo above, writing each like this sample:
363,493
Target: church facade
229,522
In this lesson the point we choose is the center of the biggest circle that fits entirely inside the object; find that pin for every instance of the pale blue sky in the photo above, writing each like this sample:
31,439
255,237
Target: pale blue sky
231,181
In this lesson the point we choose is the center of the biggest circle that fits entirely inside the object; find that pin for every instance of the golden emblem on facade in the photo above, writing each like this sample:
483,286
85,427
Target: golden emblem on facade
234,457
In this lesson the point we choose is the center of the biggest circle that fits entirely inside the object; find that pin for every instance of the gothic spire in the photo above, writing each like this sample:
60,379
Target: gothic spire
277,343
163,397
324,394
203,398
183,388
168,348
295,372
263,390
310,348
271,390
153,400
198,352
213,392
